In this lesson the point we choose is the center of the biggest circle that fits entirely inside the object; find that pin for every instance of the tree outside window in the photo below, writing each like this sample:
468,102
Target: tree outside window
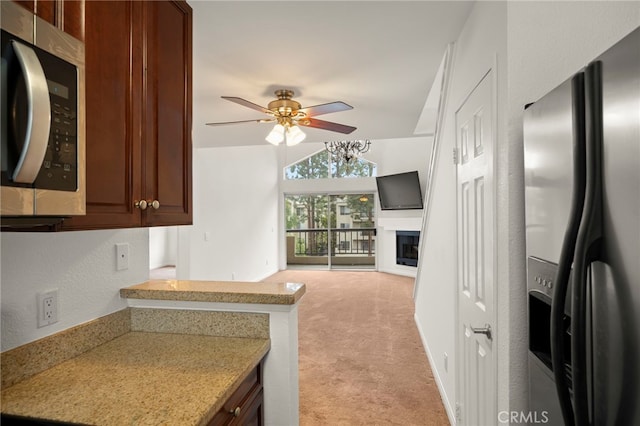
322,165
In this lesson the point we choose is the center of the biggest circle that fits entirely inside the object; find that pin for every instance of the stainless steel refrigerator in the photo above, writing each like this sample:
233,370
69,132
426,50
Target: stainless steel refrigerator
582,204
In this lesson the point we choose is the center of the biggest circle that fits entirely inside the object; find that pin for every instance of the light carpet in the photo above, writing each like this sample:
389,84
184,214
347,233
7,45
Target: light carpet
361,358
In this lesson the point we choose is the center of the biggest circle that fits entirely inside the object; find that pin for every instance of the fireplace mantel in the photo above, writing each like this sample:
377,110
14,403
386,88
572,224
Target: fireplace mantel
400,223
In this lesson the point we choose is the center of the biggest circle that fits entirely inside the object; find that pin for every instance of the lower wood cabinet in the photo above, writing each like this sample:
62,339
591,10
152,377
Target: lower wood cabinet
245,406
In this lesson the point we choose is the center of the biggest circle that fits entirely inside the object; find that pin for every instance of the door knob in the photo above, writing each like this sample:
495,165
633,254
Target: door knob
486,330
155,204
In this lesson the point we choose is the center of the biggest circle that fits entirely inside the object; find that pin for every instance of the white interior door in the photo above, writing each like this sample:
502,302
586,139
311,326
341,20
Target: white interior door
475,215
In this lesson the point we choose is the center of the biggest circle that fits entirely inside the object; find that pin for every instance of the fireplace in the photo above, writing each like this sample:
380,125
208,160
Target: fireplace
407,247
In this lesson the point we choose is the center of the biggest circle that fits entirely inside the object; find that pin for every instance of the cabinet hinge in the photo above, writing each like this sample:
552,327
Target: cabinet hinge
458,412
455,155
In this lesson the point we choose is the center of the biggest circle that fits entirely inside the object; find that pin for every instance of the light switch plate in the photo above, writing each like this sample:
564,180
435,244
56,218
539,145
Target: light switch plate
122,256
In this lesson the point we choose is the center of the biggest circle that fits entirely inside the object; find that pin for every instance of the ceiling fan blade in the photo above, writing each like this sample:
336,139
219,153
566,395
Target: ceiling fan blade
260,120
327,125
246,103
337,106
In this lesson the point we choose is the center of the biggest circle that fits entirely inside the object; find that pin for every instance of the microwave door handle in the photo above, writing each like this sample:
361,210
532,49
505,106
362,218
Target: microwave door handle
39,115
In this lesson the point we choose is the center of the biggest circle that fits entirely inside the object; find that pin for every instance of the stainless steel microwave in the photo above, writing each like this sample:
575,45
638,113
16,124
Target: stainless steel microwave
43,122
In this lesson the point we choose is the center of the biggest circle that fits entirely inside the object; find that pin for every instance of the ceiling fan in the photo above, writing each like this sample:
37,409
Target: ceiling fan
288,114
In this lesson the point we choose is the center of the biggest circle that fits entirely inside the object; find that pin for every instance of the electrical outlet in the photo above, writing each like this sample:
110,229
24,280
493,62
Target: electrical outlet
122,256
446,362
47,308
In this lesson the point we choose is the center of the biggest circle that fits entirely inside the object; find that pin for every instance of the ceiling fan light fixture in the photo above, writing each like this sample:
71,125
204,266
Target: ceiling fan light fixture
289,114
295,135
276,135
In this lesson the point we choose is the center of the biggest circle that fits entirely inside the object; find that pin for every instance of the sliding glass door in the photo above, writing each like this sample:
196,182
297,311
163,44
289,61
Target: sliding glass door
330,231
352,233
307,235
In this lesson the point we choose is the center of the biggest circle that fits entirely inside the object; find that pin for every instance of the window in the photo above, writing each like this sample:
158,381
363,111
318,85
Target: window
354,168
320,230
321,165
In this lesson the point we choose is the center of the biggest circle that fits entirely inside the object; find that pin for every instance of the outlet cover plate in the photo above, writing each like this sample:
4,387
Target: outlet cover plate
47,308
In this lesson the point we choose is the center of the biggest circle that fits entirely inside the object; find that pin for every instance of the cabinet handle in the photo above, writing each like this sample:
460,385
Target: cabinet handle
142,205
235,412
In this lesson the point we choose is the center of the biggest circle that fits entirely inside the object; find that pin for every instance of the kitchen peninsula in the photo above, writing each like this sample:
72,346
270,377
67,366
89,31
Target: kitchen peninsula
181,350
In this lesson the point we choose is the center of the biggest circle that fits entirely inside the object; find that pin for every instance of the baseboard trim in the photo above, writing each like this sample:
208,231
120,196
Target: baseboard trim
403,273
443,395
265,277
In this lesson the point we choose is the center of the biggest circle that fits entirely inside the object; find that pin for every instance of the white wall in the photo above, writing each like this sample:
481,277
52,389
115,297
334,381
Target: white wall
80,264
545,43
481,44
235,219
163,246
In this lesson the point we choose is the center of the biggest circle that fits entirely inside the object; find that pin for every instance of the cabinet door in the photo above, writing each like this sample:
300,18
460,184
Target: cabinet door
114,53
68,15
167,131
72,17
45,9
253,414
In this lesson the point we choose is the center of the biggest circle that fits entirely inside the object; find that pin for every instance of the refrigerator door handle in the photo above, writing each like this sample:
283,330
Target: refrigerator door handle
561,288
588,242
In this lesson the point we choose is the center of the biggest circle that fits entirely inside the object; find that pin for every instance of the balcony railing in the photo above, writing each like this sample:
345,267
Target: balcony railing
315,242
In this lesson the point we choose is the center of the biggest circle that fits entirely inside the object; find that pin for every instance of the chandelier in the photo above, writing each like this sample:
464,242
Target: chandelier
347,150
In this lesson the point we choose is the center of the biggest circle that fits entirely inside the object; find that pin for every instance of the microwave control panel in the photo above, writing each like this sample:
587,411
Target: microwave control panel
59,169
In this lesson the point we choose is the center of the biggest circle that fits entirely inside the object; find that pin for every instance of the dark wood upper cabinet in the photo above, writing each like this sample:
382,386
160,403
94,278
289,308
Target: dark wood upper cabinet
138,85
68,15
167,133
113,79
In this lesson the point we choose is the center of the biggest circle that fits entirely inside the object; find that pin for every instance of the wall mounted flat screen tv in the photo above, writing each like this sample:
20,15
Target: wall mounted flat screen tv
400,191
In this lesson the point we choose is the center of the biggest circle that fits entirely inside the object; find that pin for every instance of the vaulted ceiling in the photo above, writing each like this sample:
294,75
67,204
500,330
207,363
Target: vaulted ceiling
380,57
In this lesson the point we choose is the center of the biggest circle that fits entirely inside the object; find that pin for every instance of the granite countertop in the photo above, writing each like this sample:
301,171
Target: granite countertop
217,291
140,378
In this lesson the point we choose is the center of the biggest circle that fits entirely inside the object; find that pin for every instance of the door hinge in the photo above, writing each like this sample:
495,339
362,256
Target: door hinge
455,155
458,413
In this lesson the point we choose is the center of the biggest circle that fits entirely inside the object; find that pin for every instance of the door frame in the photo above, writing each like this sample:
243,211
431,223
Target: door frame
491,72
